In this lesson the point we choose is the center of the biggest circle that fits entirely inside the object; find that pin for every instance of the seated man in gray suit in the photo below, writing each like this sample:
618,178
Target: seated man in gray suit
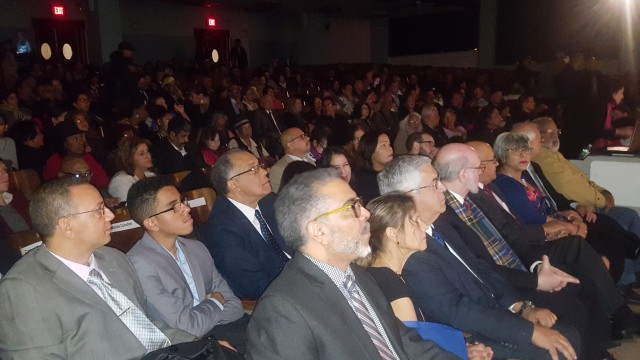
296,145
74,298
321,306
178,276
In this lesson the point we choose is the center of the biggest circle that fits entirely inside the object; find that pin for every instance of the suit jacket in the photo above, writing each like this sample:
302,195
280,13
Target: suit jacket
303,315
239,250
449,293
265,131
275,174
168,293
522,238
48,312
168,160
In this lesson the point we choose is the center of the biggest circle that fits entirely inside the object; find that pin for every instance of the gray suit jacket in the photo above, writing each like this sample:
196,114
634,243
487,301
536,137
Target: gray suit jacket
48,312
168,293
275,173
303,315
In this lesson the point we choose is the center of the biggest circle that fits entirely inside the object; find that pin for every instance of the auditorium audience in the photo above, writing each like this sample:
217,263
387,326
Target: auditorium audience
7,145
321,306
421,143
409,125
296,145
374,152
29,145
209,143
339,159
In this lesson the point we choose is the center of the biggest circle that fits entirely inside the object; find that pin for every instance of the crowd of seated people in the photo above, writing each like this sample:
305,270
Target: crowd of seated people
488,224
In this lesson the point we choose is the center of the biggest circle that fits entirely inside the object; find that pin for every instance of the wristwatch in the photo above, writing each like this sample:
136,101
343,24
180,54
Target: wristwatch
525,305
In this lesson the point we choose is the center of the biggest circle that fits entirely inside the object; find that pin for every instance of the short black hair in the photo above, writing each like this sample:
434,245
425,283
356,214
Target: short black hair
178,124
142,197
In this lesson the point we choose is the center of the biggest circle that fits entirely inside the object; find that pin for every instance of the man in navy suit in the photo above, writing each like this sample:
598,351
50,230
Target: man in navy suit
453,287
242,234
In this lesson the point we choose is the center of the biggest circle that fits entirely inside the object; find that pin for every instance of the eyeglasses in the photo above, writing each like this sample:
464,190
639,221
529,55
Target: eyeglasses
480,168
177,207
79,175
356,206
98,212
494,161
433,186
521,151
426,142
253,169
303,135
549,131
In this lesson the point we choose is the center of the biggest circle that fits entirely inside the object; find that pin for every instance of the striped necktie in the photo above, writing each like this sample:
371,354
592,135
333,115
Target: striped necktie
269,238
366,320
148,334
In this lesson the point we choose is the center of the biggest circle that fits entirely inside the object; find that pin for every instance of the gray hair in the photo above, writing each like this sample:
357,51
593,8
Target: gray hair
525,129
220,172
402,173
508,141
427,111
300,202
50,202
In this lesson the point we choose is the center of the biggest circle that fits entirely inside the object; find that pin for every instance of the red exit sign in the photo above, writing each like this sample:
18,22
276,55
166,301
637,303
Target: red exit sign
211,22
57,10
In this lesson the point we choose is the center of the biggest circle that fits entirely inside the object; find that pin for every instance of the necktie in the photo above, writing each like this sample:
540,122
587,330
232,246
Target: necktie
269,238
275,123
500,251
366,320
148,334
436,235
547,197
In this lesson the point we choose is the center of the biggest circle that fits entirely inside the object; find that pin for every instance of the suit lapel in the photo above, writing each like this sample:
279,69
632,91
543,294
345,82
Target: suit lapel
337,303
70,281
167,260
196,272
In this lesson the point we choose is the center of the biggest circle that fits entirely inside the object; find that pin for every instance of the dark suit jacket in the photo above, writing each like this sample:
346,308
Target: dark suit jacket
449,293
240,252
303,315
48,312
168,160
265,131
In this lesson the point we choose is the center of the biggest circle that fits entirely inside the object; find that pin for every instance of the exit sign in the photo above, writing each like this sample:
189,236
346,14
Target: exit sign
57,10
211,22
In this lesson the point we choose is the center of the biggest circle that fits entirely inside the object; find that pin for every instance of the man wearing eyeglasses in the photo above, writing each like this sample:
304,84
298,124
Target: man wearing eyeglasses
241,233
178,275
452,286
421,144
321,306
74,298
296,145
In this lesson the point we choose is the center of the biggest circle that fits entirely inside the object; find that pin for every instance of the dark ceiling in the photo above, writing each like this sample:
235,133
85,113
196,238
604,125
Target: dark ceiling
339,8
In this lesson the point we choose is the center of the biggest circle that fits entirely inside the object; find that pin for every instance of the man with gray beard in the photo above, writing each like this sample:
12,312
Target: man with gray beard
321,306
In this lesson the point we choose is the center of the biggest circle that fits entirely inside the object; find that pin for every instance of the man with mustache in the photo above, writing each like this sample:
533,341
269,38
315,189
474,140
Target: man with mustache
241,233
321,306
170,155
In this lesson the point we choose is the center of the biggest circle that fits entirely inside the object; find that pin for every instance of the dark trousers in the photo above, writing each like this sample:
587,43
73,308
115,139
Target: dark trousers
234,332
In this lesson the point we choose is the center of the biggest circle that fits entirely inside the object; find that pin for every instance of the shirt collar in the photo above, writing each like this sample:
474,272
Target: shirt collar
80,269
247,210
457,196
7,197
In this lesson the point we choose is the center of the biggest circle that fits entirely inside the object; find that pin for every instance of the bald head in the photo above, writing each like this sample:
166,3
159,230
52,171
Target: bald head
457,165
75,166
549,133
487,160
295,142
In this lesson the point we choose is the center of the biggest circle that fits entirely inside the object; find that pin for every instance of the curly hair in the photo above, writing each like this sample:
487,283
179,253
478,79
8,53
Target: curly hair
125,151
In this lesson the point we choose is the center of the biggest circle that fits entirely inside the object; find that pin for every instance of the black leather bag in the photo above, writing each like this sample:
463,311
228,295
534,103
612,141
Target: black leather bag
203,349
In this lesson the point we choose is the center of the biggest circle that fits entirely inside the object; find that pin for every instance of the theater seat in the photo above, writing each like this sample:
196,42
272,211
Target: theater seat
124,231
201,202
176,178
24,241
26,181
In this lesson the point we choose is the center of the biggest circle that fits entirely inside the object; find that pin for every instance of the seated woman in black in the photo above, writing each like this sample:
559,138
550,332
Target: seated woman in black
374,152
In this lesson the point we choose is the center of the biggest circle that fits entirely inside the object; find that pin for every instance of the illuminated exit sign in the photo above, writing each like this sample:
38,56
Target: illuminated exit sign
211,22
57,10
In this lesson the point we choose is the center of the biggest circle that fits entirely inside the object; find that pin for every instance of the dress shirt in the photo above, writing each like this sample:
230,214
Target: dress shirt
83,270
250,213
498,200
306,158
338,277
183,151
430,233
188,275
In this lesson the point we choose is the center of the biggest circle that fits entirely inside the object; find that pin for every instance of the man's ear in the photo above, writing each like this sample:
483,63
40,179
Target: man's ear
317,231
415,148
392,234
232,186
64,224
151,224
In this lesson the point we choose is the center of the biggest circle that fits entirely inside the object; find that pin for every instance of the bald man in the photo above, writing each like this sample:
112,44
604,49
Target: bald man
74,166
296,145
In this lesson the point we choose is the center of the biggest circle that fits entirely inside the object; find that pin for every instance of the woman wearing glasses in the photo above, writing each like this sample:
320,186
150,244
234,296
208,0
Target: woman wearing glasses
396,233
530,205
